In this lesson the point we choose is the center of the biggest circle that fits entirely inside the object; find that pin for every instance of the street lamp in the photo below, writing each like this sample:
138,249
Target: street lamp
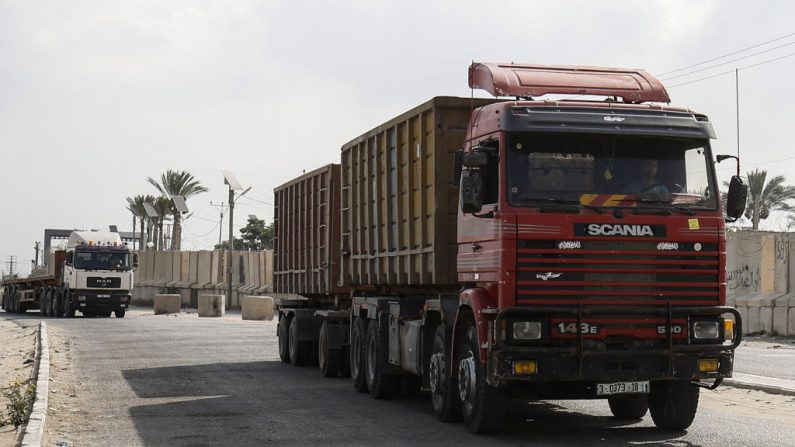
182,208
234,185
153,214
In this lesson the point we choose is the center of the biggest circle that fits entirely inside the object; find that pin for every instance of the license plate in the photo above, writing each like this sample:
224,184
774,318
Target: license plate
101,295
606,389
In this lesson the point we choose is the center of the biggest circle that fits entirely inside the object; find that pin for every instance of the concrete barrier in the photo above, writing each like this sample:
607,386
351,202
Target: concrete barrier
257,307
211,305
167,304
781,311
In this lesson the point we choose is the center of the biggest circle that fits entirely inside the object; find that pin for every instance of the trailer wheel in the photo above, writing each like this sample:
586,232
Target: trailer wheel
628,407
673,404
300,351
345,361
483,406
380,382
358,353
328,359
119,313
283,335
444,385
57,304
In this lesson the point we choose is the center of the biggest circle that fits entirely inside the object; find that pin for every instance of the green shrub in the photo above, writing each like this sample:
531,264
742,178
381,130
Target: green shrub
20,395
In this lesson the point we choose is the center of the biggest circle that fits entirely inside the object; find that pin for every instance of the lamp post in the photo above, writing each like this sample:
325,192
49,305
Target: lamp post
234,185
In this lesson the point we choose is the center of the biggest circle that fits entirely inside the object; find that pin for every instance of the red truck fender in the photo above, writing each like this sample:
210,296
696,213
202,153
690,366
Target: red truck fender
475,301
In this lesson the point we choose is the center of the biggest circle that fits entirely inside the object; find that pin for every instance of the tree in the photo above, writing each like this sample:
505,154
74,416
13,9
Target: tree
766,197
163,205
136,206
256,235
239,245
177,183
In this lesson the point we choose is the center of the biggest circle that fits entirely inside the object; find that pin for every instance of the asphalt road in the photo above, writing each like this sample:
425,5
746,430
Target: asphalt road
766,359
174,381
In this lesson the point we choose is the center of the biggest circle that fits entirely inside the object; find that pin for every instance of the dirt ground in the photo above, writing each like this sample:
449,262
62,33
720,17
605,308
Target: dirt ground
16,362
69,410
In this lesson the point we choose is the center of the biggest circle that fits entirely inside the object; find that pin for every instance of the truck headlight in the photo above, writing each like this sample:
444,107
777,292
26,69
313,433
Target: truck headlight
706,330
527,330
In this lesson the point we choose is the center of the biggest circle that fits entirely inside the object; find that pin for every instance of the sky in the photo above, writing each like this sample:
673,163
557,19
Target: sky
96,96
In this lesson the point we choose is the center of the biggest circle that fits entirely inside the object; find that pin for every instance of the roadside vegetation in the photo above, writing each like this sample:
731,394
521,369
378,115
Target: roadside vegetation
20,394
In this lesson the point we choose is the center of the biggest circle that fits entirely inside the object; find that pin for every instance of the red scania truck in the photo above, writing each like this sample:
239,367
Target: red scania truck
517,246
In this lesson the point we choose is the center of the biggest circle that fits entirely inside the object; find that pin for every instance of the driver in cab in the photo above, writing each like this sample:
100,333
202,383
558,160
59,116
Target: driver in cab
646,181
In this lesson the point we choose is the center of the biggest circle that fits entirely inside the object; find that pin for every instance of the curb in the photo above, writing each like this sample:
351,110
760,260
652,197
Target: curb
766,384
38,417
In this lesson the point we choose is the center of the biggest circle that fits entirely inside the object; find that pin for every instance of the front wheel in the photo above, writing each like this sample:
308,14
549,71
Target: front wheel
444,385
482,405
673,404
118,312
629,407
69,307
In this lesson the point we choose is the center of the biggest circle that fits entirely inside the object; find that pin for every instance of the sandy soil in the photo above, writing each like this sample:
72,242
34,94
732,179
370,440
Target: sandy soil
17,352
68,407
750,404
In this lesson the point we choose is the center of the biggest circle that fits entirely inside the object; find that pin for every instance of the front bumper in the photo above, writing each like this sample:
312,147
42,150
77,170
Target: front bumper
578,362
101,300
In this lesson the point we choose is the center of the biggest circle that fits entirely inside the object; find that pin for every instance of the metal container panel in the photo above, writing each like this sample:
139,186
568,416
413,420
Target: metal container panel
306,239
399,210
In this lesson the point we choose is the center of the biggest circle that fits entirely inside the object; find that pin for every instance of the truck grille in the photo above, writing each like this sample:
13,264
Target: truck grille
617,272
95,282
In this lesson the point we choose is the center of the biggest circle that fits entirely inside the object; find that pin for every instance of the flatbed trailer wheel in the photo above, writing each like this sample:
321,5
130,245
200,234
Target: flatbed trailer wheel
381,383
358,353
283,335
673,404
57,304
628,407
444,385
300,351
482,406
328,359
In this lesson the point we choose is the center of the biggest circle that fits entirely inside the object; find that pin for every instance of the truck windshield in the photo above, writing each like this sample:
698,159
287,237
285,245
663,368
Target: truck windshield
609,171
102,260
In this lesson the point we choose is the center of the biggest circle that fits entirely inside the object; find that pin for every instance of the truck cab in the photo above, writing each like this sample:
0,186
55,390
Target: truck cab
97,274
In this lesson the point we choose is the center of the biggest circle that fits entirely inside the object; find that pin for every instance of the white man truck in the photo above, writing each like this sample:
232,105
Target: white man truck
94,276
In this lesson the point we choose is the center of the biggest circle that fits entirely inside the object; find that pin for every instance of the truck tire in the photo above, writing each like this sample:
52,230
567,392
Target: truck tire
410,386
57,304
631,407
345,361
380,382
673,404
482,406
328,359
17,304
300,351
69,308
444,385
358,353
283,335
119,313
104,314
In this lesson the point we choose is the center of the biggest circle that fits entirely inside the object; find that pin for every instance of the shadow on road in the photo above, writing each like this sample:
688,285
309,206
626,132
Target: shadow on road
260,403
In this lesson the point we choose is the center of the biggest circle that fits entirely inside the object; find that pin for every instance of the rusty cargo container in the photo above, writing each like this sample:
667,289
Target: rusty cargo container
306,243
399,209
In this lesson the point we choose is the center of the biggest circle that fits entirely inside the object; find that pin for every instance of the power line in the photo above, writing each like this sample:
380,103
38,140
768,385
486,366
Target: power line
727,62
257,200
732,71
728,54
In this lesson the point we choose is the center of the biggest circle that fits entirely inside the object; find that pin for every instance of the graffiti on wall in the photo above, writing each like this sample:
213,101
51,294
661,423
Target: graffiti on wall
782,249
744,277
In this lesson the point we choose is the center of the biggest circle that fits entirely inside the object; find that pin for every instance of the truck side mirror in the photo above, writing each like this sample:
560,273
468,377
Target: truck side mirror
135,260
736,198
68,259
471,191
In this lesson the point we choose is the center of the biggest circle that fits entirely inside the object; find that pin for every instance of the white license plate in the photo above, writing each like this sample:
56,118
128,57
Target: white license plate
606,389
100,295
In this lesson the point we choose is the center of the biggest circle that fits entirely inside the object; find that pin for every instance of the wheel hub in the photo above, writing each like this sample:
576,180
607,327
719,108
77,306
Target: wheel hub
466,379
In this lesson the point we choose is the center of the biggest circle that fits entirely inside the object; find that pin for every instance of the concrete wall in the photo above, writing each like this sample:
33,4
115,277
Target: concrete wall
190,274
759,280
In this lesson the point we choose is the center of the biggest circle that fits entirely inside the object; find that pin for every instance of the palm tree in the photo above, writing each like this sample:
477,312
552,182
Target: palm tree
177,183
164,206
766,197
136,206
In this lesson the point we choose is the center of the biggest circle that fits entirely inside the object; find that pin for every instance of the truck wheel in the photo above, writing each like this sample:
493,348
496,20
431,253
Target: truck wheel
300,352
284,335
358,353
57,304
119,313
444,386
104,314
345,361
380,382
69,308
410,386
629,407
673,404
483,406
328,359
16,302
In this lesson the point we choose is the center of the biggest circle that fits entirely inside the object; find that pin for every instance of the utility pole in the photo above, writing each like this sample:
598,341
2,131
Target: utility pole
37,247
11,263
220,220
234,185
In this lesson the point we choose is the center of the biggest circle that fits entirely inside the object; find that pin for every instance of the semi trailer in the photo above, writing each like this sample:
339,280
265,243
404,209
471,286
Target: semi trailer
523,246
93,276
